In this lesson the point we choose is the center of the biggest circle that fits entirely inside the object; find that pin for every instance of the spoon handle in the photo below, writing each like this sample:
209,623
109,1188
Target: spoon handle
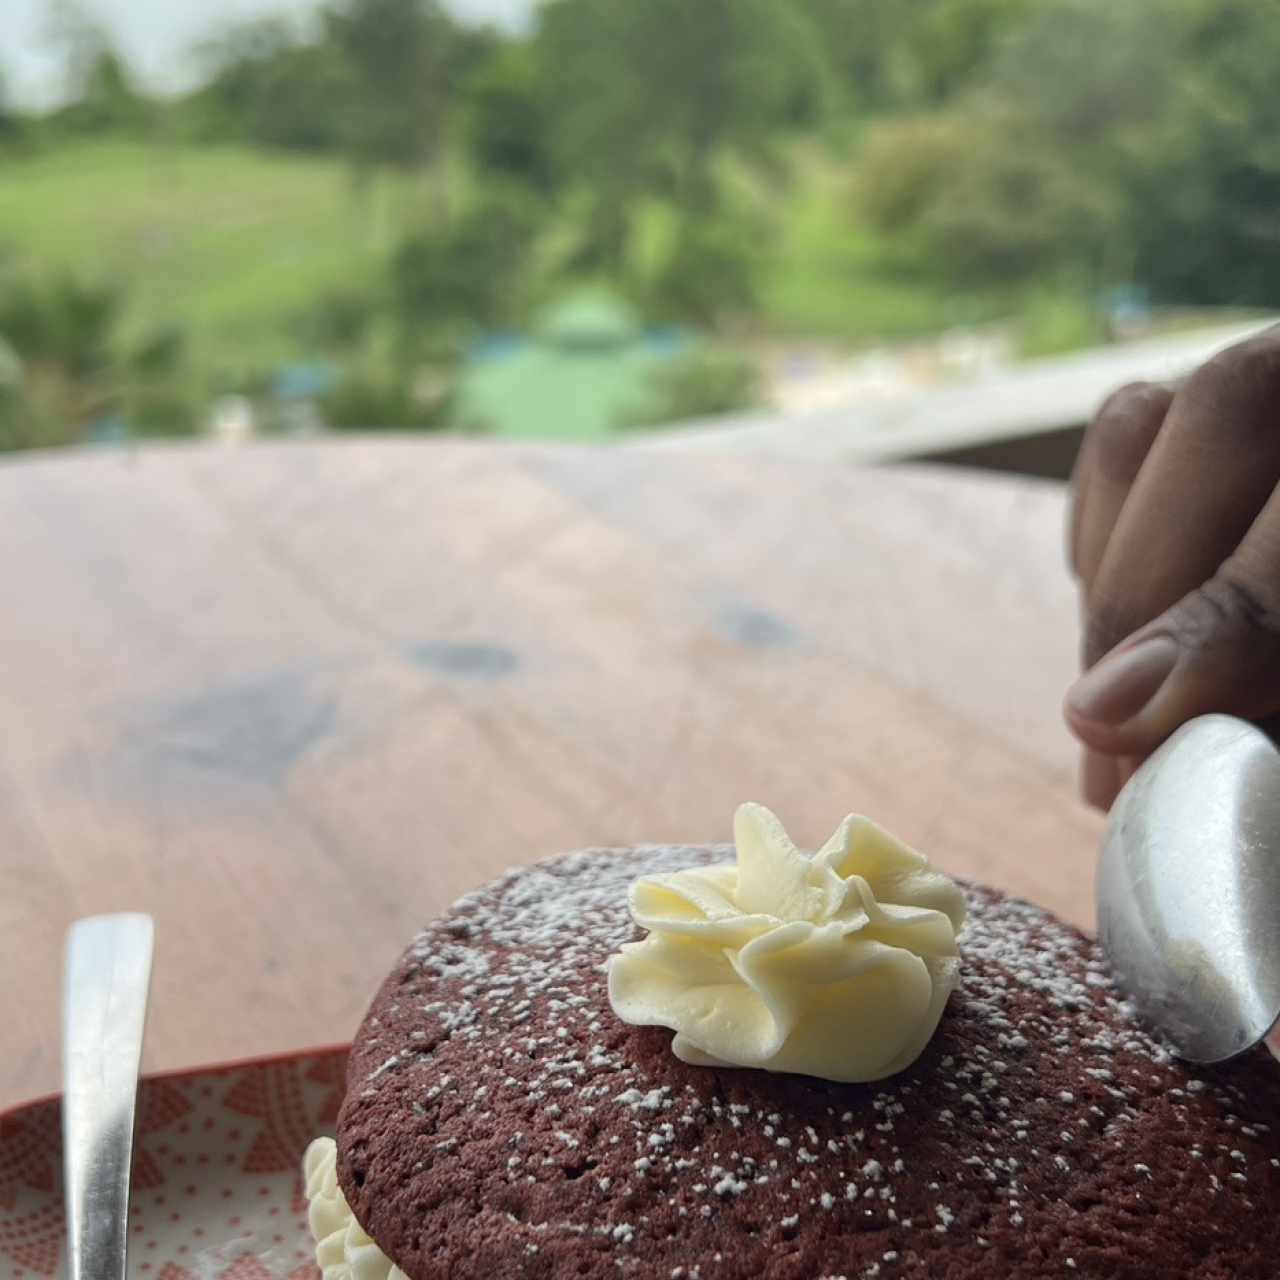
107,975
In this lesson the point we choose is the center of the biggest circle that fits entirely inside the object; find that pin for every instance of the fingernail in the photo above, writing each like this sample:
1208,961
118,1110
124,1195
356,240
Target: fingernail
1119,686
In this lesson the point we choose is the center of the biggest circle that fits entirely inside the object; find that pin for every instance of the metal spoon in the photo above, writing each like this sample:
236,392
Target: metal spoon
1189,888
107,975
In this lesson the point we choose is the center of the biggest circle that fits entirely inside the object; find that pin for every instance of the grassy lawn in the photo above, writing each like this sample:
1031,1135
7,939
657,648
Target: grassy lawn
235,245
833,278
232,242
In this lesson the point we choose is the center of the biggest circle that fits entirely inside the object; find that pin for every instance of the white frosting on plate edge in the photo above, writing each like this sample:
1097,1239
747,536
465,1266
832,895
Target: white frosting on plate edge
344,1250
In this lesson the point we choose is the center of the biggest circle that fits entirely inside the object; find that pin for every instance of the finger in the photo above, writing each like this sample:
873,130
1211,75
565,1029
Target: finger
1078,499
1212,467
1114,449
1216,649
1099,779
1127,766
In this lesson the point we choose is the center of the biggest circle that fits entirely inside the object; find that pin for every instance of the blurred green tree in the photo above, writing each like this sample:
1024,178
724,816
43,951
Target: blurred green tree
981,199
1105,143
340,319
107,100
269,84
99,91
1170,107
890,56
154,394
11,120
652,98
401,56
941,44
705,381
60,332
466,273
507,116
709,273
375,78
381,396
1203,190
63,334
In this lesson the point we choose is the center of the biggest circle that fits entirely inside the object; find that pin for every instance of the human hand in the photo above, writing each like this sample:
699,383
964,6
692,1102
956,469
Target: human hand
1175,541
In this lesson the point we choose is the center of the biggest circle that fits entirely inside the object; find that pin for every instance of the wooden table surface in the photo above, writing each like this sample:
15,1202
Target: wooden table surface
292,699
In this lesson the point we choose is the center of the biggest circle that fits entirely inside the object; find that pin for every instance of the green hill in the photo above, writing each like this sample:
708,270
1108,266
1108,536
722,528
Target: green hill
236,241
230,241
239,247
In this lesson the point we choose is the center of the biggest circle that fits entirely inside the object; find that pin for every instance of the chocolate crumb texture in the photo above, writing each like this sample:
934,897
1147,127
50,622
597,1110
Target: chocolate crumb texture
500,1120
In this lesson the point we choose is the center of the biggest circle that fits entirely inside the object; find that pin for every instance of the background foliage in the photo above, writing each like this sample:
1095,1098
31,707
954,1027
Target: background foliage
383,186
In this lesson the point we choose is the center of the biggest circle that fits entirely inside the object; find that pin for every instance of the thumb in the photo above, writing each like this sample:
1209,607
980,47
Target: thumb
1217,649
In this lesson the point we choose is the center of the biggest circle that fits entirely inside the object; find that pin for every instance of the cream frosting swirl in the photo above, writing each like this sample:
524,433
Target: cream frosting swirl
836,965
343,1249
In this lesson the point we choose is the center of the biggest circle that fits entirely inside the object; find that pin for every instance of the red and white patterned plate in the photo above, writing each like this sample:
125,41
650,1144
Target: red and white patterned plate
217,1183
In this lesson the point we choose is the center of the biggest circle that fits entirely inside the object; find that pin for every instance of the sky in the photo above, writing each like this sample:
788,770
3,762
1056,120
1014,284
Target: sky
156,35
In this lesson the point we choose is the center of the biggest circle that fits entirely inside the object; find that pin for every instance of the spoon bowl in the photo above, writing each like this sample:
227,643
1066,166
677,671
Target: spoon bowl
1189,888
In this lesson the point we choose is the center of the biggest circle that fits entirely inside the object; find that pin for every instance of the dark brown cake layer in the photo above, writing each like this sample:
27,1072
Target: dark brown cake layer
502,1122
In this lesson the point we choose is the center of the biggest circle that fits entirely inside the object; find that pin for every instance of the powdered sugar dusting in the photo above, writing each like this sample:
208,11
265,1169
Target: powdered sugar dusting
516,972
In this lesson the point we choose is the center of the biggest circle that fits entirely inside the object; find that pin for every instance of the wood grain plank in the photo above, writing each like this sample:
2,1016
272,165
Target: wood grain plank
293,699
